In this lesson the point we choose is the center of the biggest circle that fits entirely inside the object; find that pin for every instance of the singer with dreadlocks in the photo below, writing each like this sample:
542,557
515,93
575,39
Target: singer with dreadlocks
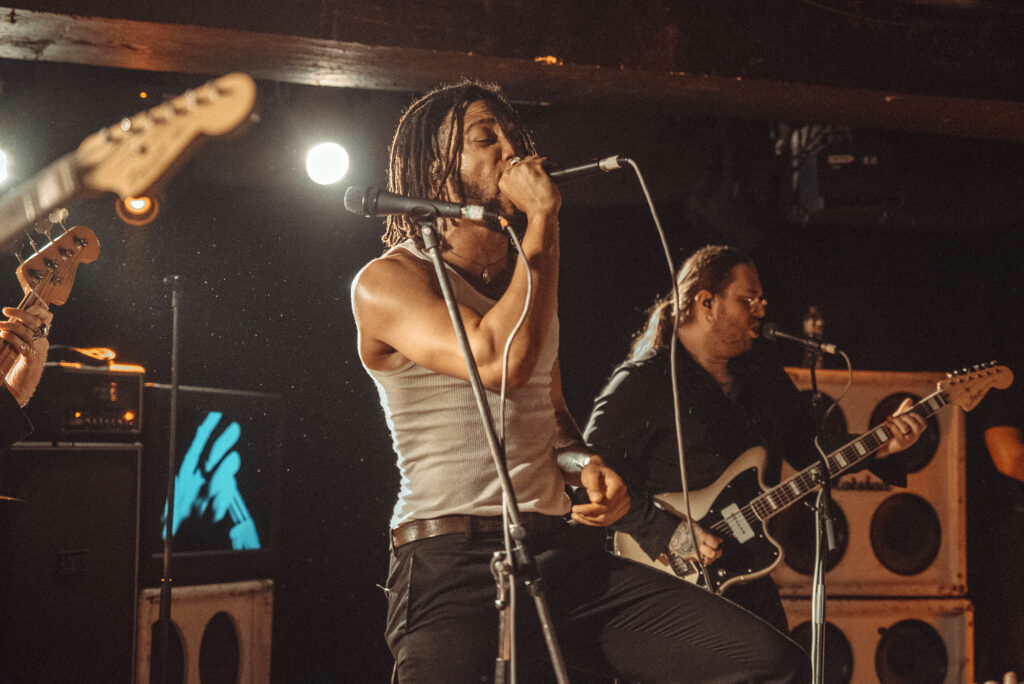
464,143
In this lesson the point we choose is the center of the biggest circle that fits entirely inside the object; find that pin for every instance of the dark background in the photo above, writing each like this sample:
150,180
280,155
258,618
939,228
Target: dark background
913,261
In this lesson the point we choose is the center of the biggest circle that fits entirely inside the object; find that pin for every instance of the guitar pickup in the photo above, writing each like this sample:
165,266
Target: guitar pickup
738,525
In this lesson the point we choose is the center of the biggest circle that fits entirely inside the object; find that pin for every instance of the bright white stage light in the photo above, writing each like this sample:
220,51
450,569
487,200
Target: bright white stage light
327,163
138,205
3,166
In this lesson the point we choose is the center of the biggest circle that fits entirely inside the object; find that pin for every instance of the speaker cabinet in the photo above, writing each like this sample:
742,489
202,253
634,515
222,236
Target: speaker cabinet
924,641
891,541
68,562
220,633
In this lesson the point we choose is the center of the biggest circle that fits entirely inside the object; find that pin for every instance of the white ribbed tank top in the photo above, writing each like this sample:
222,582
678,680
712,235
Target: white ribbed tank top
443,458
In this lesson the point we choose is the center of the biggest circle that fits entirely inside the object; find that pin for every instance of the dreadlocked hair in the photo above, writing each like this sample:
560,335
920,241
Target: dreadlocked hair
425,152
709,268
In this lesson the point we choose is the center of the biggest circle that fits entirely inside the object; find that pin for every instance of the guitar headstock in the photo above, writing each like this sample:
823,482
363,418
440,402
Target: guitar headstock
967,387
50,272
131,157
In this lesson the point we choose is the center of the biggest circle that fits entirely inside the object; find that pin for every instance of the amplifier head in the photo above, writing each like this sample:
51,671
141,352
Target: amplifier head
75,402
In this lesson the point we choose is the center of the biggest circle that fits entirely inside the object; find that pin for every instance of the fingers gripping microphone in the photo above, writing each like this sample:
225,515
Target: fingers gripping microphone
371,202
560,175
770,332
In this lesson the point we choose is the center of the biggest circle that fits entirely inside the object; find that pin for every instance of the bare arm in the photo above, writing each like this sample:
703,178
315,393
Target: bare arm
609,499
401,313
1006,446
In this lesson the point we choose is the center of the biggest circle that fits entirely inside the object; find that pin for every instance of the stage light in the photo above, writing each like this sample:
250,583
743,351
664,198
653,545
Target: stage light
137,211
138,205
326,163
3,166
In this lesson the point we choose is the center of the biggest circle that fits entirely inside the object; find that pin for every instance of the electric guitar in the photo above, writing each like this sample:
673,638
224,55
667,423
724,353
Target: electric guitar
737,505
133,156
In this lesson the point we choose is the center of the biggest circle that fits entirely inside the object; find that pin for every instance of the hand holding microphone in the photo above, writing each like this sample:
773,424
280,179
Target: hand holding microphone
525,186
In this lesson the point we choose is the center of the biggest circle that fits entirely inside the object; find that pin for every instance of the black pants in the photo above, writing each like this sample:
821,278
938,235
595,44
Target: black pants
612,617
760,597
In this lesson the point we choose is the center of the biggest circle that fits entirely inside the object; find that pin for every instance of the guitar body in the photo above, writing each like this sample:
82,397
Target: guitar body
749,552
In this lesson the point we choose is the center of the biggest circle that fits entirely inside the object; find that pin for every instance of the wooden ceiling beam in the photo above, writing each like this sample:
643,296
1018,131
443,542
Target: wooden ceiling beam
43,36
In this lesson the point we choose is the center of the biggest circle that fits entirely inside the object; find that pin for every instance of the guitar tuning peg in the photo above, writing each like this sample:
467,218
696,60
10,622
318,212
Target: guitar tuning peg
57,217
31,242
42,226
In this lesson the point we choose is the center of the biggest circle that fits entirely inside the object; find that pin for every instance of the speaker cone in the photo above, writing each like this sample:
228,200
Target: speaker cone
838,651
794,530
911,652
906,534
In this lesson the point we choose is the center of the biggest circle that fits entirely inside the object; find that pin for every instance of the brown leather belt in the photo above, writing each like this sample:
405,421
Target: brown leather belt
465,524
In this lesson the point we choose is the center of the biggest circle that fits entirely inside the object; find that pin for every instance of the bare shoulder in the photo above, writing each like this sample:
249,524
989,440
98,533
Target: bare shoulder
392,275
385,296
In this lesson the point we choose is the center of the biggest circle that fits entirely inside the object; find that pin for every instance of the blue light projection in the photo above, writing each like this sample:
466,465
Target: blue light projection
209,490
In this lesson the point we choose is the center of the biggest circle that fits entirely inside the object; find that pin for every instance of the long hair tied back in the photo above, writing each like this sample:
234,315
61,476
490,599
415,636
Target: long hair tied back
428,142
709,268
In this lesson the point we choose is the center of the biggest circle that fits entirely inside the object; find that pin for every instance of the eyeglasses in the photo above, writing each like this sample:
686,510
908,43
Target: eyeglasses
753,302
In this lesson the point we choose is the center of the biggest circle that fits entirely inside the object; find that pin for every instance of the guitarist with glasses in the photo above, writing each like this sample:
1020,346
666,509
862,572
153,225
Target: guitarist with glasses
733,396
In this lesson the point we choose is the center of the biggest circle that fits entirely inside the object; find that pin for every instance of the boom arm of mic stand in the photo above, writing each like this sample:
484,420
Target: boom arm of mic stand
524,561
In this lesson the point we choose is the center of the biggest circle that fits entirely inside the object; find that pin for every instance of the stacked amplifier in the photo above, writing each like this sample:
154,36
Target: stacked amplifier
896,584
69,540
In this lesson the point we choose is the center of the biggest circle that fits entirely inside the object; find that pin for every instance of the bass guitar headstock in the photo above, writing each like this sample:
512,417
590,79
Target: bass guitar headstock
50,272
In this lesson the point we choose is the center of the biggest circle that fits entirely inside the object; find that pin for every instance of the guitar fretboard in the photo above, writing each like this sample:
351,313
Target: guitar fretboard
809,479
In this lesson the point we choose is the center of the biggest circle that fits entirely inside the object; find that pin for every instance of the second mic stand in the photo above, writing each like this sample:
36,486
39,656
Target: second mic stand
824,530
174,282
522,561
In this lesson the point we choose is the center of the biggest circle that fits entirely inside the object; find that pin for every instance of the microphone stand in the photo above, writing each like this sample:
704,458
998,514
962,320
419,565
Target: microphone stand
522,561
165,582
824,530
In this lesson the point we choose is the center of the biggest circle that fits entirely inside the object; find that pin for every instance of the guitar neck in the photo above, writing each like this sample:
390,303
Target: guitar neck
8,354
783,495
50,189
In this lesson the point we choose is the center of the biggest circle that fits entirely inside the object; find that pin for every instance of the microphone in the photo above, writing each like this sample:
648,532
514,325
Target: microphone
371,202
560,175
770,332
